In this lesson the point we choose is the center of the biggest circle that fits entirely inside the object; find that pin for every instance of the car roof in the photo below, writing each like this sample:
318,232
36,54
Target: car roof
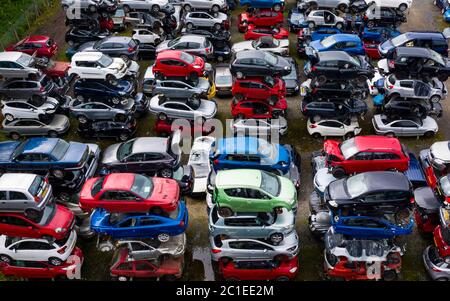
117,39
10,56
339,37
250,54
118,181
238,145
325,56
377,143
413,51
169,54
385,180
36,39
40,145
150,144
238,178
20,181
441,150
87,56
424,34
192,38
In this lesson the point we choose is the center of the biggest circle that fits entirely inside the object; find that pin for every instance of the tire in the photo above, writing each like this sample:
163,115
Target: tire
316,135
349,135
428,134
115,100
82,119
193,76
321,79
5,258
239,97
189,25
15,135
441,279
442,77
124,137
217,26
92,8
240,116
338,172
339,25
58,173
65,197
361,79
9,117
124,58
435,99
162,116
370,24
226,260
52,134
311,25
47,237
163,237
276,238
80,98
279,258
187,8
156,211
283,278
159,76
277,7
402,7
155,9
112,79
215,8
123,278
225,212
389,275
389,134
273,100
165,173
55,261
169,278
120,117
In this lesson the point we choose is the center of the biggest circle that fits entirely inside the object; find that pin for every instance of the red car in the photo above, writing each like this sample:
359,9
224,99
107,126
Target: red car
358,270
441,236
268,88
371,49
43,46
106,23
365,153
262,17
124,267
42,269
257,109
254,32
127,192
259,270
56,69
175,63
164,128
57,222
426,213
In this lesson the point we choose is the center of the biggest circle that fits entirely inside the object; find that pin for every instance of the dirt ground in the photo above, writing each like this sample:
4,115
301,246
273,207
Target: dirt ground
422,16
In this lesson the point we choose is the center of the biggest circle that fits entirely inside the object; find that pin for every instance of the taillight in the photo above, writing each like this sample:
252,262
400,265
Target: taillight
130,49
436,269
62,250
208,50
365,18
391,64
181,224
411,200
313,126
216,161
215,251
391,87
42,89
37,199
313,69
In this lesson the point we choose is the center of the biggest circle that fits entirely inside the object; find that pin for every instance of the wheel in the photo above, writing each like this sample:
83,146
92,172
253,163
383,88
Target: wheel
316,135
402,7
65,197
225,212
349,135
226,260
126,8
283,278
279,258
321,79
339,25
273,100
58,173
441,279
193,76
389,275
217,26
9,117
435,98
276,238
165,173
239,97
362,79
428,134
277,7
239,75
123,137
155,9
120,117
47,237
55,261
169,278
105,247
82,119
156,211
338,172
112,79
390,134
187,8
215,8
163,237
5,258
123,278
125,58
159,76
442,77
80,98
370,24
92,8
189,25
311,25
342,7
162,116
115,100
15,136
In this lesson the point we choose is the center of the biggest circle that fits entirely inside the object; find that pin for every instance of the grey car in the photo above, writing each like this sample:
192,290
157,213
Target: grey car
181,89
259,127
32,127
223,80
191,43
153,248
437,268
204,19
342,5
382,125
228,249
85,111
24,88
125,48
211,5
270,226
434,90
190,108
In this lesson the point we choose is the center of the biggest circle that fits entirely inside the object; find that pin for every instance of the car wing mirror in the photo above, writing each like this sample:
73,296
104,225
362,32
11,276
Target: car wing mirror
265,251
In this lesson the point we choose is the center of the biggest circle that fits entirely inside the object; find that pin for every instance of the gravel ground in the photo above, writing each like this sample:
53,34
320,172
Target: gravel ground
422,16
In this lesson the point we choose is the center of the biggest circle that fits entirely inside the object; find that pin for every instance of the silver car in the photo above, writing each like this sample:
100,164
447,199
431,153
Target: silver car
32,127
19,65
41,108
153,248
437,268
191,43
204,19
149,5
435,90
253,225
228,249
23,88
212,5
280,47
324,18
342,5
181,89
85,111
382,125
259,127
191,108
223,80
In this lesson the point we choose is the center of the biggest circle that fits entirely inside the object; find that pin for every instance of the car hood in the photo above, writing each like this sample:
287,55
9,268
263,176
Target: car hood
6,150
317,45
59,121
48,105
336,190
203,84
287,191
297,19
110,154
162,46
117,64
331,147
322,179
221,16
245,45
99,218
207,107
165,190
63,218
386,46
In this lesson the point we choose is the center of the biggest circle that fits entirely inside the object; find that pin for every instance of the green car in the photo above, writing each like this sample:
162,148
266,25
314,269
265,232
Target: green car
250,190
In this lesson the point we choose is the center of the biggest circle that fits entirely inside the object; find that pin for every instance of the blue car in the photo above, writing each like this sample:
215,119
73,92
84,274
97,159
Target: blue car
444,5
61,159
434,40
257,153
101,90
349,43
135,225
277,5
370,227
379,34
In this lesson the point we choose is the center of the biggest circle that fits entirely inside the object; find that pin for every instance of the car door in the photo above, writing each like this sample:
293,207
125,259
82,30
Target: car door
17,89
150,226
31,250
407,88
261,110
143,269
30,269
359,162
347,70
153,162
241,249
332,128
258,90
126,228
102,111
15,226
135,163
143,251
107,48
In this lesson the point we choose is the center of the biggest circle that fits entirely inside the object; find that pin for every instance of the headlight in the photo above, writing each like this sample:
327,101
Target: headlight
333,204
60,230
293,270
197,67
124,102
288,228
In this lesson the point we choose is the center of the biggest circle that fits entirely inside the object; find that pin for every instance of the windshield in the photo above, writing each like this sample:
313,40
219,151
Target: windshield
125,150
270,58
97,186
445,185
328,42
142,186
399,40
187,57
36,186
437,57
224,80
105,61
270,183
355,61
269,81
60,149
348,148
25,60
356,185
173,42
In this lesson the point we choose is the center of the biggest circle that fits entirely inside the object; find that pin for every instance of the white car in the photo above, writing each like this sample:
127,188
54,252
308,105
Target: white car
199,160
324,18
401,5
15,64
145,36
371,83
34,108
280,47
342,5
206,20
91,5
322,179
37,249
259,127
331,127
96,65
212,5
149,5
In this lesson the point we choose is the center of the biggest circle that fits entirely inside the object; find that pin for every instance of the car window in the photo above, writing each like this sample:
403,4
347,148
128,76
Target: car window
148,221
363,156
238,222
256,194
135,246
142,266
136,157
125,266
15,195
15,221
236,192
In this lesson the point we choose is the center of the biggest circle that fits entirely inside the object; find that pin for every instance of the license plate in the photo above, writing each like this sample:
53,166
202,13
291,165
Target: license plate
302,90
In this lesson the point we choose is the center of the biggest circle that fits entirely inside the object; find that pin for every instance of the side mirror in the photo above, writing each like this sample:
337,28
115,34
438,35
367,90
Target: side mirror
265,251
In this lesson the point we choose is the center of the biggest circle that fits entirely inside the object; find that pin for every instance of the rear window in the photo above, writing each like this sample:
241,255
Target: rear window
36,186
132,43
97,186
49,43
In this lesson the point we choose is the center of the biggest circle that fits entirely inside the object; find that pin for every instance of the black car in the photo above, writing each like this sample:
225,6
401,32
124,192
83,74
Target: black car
341,110
384,16
91,22
375,191
220,40
115,46
291,80
109,129
337,65
417,62
143,20
102,90
259,63
26,88
397,108
80,35
334,90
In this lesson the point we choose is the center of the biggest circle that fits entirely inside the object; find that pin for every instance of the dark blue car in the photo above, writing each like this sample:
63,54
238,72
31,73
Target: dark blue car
370,227
349,43
379,34
135,225
426,39
445,8
101,90
277,5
